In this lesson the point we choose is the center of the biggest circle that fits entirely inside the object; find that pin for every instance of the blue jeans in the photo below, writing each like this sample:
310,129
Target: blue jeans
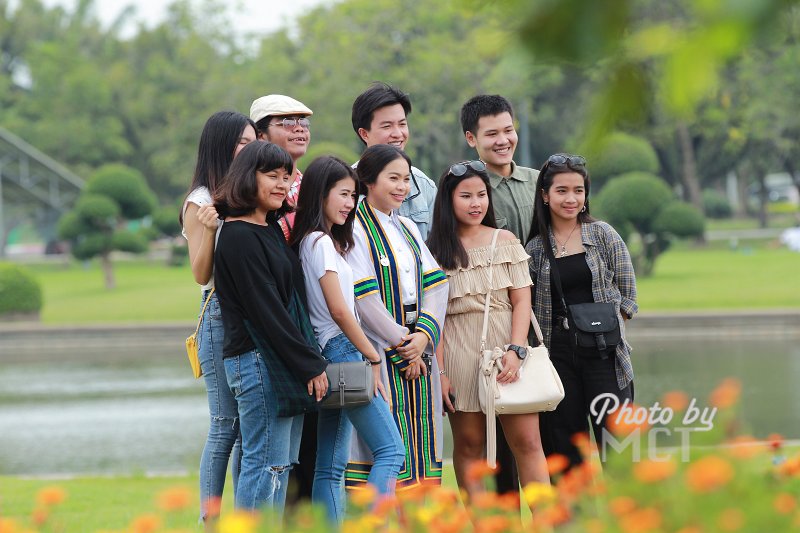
269,444
223,440
375,426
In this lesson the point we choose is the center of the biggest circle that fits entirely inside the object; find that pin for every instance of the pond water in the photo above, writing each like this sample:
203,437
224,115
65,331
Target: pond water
143,412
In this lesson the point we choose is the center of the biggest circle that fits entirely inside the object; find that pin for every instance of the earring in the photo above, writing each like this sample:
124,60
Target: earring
583,209
547,203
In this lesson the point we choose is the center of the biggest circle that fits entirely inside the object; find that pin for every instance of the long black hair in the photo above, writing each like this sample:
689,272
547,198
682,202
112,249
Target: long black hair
221,134
540,225
238,194
374,160
318,180
443,241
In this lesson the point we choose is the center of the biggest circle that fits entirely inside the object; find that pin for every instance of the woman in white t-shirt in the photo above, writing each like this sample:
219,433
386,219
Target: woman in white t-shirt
224,135
323,232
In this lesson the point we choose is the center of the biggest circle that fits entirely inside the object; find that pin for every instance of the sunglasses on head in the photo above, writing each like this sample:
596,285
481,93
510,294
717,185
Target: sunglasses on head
459,169
291,123
567,159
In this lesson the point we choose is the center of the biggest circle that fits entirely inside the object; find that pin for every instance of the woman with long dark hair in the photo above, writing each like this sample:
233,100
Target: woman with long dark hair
323,232
465,242
272,362
593,265
224,135
401,296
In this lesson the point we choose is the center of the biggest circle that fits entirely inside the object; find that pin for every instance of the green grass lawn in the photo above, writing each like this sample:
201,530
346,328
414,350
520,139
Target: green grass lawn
757,275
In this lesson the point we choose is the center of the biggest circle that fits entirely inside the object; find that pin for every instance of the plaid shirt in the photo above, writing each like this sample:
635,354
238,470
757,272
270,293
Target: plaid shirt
286,222
613,280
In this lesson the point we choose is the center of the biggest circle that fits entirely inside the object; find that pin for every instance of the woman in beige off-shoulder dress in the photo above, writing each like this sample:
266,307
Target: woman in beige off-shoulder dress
460,240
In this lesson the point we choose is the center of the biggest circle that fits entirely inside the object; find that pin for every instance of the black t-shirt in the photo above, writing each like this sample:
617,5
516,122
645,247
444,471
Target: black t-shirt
255,274
576,281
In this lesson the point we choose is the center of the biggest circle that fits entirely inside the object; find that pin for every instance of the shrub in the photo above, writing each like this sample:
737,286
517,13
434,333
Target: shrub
126,186
634,197
20,292
622,153
716,204
680,219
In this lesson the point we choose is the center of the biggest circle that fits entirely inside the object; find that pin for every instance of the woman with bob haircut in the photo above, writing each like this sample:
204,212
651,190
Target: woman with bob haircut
323,232
401,296
224,135
272,361
461,240
593,265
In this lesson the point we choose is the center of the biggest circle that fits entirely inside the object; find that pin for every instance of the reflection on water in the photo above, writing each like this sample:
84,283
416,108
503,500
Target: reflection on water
146,413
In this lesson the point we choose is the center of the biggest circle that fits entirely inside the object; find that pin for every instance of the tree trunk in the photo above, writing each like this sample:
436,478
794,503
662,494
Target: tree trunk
108,271
689,171
763,199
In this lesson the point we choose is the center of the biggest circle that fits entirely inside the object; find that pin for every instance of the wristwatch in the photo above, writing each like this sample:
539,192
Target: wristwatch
521,351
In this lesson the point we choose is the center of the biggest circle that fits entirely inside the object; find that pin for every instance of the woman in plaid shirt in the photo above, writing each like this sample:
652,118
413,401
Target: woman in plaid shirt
594,266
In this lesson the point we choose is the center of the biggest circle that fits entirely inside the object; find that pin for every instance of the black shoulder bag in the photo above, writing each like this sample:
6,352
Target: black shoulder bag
594,326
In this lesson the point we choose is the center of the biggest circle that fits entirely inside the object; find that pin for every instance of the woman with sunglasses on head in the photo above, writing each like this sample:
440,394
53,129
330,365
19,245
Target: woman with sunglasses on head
401,296
323,233
224,135
462,238
272,361
576,259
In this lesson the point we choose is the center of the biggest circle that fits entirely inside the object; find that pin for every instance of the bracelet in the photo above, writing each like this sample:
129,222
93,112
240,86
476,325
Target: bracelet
442,372
374,363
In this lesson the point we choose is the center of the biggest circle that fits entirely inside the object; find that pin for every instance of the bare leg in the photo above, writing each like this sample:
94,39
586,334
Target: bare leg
522,432
469,443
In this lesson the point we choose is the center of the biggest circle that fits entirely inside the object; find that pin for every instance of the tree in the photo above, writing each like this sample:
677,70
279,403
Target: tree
642,204
620,153
113,196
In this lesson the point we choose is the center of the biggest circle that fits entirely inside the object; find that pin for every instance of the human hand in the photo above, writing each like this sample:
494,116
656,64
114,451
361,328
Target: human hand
447,391
414,369
414,346
379,388
207,215
318,384
509,373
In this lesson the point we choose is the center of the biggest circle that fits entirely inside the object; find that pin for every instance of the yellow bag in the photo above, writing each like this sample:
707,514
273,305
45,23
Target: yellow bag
191,342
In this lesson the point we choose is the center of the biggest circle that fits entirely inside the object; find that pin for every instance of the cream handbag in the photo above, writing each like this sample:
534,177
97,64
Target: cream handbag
538,388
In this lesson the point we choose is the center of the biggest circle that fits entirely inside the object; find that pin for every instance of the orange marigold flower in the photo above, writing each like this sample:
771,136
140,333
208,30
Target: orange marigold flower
386,505
594,525
790,467
365,495
784,503
492,524
508,502
731,520
8,526
485,500
641,520
537,493
477,470
622,505
552,516
726,394
708,474
39,516
147,523
213,506
675,400
557,463
775,441
654,471
174,499
51,496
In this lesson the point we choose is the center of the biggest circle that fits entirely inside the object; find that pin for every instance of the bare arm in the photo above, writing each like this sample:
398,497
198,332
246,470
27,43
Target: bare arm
200,224
344,318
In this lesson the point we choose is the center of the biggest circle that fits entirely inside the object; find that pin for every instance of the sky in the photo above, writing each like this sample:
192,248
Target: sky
250,15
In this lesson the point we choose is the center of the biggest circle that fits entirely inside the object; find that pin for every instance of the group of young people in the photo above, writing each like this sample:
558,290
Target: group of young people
371,261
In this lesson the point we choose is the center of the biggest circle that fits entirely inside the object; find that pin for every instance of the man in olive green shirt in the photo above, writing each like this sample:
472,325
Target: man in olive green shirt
488,124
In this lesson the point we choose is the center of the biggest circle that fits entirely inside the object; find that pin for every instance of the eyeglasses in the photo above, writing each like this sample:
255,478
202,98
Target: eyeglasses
567,159
292,123
459,169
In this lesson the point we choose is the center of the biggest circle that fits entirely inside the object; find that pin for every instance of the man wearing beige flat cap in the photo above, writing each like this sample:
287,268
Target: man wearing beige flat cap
282,120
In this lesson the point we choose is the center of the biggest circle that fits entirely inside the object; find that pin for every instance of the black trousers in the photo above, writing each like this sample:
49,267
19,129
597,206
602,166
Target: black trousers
583,378
301,476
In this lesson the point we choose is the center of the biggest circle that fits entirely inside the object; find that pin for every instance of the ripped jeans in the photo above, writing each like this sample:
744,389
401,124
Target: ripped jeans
223,441
269,444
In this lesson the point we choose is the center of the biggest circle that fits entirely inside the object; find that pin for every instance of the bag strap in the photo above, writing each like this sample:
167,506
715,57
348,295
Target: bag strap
554,271
203,312
485,329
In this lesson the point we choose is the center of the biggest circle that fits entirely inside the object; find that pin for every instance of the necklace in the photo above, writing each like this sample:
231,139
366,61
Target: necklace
563,251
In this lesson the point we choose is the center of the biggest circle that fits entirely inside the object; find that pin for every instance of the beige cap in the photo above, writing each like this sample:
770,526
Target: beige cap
277,104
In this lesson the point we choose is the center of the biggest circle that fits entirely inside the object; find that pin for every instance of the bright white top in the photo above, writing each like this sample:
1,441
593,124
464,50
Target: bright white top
200,197
318,255
403,255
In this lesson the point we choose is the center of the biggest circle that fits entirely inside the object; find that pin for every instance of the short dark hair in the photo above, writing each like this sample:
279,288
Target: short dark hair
443,240
541,222
221,134
374,160
483,105
377,95
238,195
318,180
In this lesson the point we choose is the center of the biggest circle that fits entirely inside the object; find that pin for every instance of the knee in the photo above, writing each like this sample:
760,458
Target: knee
527,445
470,446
